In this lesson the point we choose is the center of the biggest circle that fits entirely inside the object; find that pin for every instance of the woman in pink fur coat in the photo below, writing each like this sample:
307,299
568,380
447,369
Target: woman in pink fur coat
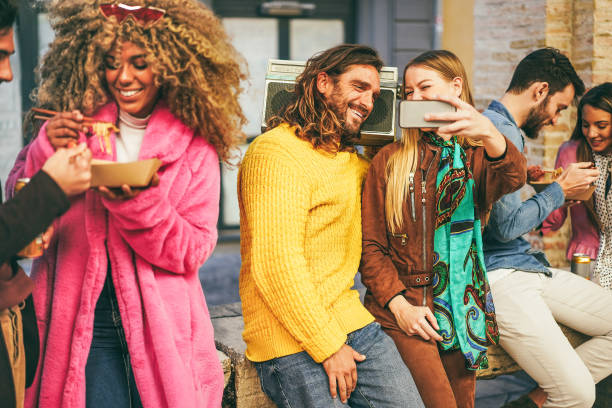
122,317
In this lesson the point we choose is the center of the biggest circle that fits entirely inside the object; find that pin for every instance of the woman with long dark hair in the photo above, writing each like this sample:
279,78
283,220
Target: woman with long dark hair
591,141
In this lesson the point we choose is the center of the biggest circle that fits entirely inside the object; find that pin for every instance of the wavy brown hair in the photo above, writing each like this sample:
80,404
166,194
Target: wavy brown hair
310,114
196,68
599,97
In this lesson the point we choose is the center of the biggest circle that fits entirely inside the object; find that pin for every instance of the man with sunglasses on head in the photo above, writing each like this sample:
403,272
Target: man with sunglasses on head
43,199
529,295
299,189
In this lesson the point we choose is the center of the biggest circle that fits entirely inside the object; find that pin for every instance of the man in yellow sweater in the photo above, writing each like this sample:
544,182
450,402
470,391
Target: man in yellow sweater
299,189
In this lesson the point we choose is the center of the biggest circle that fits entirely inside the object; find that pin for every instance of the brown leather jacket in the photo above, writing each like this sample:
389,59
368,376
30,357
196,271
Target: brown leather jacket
392,263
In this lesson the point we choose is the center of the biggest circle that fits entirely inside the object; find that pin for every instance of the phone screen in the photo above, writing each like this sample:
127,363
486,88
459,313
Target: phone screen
411,113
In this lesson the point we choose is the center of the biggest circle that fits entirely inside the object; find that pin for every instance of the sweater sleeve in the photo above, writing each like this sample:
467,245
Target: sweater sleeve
39,150
556,219
17,172
274,199
29,213
176,235
378,273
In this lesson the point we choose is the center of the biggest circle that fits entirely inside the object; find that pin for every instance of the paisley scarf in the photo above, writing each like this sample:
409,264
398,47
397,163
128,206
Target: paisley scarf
463,305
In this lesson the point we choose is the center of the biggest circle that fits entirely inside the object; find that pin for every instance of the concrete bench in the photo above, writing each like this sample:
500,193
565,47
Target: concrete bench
242,384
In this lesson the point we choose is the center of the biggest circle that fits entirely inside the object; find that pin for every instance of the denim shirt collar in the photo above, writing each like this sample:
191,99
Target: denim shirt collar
497,106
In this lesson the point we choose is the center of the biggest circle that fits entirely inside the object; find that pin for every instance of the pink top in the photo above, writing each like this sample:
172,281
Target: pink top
585,237
156,242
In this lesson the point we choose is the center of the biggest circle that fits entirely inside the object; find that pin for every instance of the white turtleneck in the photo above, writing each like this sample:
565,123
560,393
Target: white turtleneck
131,133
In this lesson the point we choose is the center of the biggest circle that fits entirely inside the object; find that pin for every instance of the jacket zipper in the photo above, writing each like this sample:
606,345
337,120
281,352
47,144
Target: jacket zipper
404,238
411,187
424,211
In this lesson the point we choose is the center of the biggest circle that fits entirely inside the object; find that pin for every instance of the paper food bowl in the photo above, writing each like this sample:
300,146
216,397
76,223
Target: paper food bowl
550,177
113,174
539,185
584,196
546,180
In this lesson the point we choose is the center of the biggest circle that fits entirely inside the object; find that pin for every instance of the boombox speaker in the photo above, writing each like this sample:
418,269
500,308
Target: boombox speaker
378,129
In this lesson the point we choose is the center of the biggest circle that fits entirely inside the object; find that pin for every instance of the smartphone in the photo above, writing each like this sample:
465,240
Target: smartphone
411,113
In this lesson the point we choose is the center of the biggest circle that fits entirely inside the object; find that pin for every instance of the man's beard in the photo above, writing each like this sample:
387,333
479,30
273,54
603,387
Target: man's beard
536,120
340,109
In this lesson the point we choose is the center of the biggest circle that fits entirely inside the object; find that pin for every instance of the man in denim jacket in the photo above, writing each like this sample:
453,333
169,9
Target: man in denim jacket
530,296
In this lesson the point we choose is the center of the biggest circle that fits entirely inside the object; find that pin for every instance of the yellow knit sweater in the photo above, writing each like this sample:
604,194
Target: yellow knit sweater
300,235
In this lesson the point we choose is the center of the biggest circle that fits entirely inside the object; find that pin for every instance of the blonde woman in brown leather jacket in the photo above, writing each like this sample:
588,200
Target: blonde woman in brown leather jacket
423,202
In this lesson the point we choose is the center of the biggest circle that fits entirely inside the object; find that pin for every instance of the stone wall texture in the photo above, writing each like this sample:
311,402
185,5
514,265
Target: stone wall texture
504,32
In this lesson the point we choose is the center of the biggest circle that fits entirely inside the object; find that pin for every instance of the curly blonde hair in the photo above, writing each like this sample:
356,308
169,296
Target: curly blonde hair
196,68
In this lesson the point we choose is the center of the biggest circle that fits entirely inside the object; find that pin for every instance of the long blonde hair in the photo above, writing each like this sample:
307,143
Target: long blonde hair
404,161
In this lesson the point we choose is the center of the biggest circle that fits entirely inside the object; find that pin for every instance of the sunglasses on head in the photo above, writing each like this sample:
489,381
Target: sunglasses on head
143,14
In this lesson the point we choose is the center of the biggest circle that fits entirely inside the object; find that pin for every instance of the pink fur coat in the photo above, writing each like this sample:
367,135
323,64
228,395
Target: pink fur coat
156,242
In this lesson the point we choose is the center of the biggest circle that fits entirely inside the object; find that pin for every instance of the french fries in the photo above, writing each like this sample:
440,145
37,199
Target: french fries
103,130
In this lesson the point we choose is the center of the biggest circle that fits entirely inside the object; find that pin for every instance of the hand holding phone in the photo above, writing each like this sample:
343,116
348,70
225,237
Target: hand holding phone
412,113
465,121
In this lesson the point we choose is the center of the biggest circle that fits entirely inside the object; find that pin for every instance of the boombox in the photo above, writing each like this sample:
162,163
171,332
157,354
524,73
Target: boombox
378,129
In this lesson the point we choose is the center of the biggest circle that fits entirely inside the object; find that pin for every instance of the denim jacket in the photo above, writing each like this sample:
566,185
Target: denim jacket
504,246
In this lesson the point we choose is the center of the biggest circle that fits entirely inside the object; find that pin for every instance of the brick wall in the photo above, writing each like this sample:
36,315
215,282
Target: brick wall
582,40
505,31
581,28
560,33
602,42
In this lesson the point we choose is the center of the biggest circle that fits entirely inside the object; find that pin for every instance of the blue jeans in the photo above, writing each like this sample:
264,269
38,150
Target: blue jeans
108,373
383,380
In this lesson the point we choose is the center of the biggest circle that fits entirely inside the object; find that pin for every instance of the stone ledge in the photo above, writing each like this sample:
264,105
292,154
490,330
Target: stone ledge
243,389
242,384
501,363
226,363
